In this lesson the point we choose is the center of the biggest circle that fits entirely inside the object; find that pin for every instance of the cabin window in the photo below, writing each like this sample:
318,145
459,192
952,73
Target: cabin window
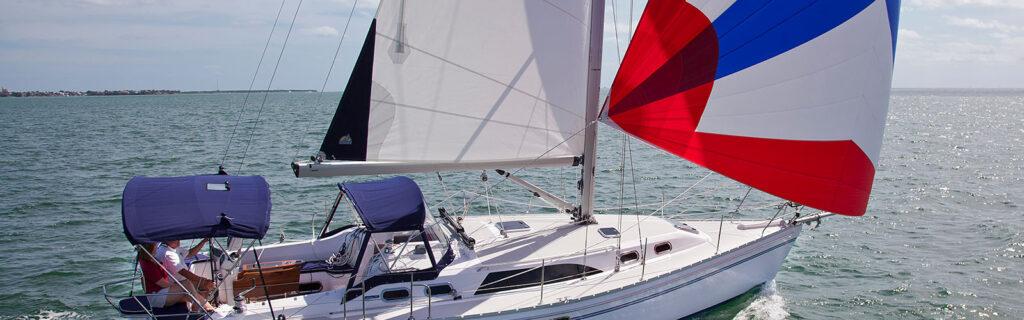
629,257
524,278
440,289
662,248
395,294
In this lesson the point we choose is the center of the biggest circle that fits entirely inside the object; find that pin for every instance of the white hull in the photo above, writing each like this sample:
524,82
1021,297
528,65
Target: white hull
682,293
668,286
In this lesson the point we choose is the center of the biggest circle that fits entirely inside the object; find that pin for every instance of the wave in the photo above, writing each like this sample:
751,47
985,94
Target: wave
768,305
50,314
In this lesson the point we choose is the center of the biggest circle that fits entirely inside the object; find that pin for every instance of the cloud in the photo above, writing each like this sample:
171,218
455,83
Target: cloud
108,3
360,5
972,3
322,31
907,34
973,23
946,49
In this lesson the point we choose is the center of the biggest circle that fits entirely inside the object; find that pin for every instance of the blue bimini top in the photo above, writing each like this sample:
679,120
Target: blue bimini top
394,204
158,209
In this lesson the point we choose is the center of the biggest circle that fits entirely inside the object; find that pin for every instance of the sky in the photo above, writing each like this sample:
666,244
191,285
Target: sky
209,45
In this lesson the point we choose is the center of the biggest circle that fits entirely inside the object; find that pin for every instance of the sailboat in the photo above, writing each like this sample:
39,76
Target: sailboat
788,97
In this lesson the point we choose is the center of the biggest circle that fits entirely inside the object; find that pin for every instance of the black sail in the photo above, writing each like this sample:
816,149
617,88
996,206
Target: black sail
346,137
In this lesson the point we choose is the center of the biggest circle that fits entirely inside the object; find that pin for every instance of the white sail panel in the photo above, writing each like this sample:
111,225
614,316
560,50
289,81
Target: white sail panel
472,81
834,87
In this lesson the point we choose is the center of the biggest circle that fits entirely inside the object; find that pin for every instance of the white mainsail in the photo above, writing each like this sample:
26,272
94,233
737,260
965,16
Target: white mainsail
461,84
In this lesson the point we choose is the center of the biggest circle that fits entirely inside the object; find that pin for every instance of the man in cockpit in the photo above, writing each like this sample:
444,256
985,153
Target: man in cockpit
173,259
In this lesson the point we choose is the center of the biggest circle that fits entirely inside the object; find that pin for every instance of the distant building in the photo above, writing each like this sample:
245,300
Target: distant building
4,92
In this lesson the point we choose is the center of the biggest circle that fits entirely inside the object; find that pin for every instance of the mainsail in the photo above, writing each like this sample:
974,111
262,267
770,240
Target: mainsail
462,84
789,97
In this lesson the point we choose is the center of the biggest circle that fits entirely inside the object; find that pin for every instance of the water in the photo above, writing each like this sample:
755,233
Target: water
942,237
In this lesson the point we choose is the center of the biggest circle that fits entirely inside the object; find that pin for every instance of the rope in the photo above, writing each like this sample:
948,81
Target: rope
316,103
252,82
252,132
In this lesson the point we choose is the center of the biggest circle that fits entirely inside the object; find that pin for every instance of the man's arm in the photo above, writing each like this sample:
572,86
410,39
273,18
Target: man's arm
195,250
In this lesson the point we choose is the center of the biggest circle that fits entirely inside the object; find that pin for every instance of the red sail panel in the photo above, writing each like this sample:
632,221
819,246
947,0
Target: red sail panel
663,87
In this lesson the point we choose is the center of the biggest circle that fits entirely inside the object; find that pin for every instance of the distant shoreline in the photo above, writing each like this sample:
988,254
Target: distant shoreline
66,93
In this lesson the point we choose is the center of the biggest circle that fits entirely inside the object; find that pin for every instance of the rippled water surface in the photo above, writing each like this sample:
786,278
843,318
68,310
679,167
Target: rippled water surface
942,237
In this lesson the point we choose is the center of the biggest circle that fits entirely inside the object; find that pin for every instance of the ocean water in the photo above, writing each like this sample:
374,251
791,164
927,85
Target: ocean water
942,237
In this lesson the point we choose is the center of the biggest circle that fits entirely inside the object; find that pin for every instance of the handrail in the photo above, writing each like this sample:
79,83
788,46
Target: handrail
430,298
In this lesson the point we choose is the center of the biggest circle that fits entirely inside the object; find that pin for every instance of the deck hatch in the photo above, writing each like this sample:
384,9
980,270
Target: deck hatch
609,232
512,226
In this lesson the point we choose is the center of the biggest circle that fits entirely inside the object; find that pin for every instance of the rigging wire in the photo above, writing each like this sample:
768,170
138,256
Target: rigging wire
241,111
622,163
632,178
252,131
782,208
316,103
627,141
521,168
615,25
721,221
632,26
622,196
681,194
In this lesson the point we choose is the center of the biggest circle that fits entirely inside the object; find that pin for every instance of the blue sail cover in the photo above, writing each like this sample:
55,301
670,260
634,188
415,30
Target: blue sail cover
156,209
394,204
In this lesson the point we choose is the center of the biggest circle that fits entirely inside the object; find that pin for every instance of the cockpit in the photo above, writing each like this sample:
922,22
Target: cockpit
397,240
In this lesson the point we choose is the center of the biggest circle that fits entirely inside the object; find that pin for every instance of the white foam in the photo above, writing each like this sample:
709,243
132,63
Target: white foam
769,305
49,314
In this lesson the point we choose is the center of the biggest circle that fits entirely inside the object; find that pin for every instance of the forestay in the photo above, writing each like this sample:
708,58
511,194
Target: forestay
439,84
789,97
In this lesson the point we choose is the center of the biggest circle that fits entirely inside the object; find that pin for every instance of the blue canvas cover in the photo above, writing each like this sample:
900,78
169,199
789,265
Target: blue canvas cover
394,204
156,209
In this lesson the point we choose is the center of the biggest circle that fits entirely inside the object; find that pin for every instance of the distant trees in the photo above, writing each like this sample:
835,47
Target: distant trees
65,93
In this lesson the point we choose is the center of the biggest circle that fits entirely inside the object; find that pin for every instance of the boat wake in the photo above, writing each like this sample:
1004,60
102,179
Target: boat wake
768,305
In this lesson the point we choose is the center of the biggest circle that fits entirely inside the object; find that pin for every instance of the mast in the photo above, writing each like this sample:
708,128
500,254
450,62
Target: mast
586,213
